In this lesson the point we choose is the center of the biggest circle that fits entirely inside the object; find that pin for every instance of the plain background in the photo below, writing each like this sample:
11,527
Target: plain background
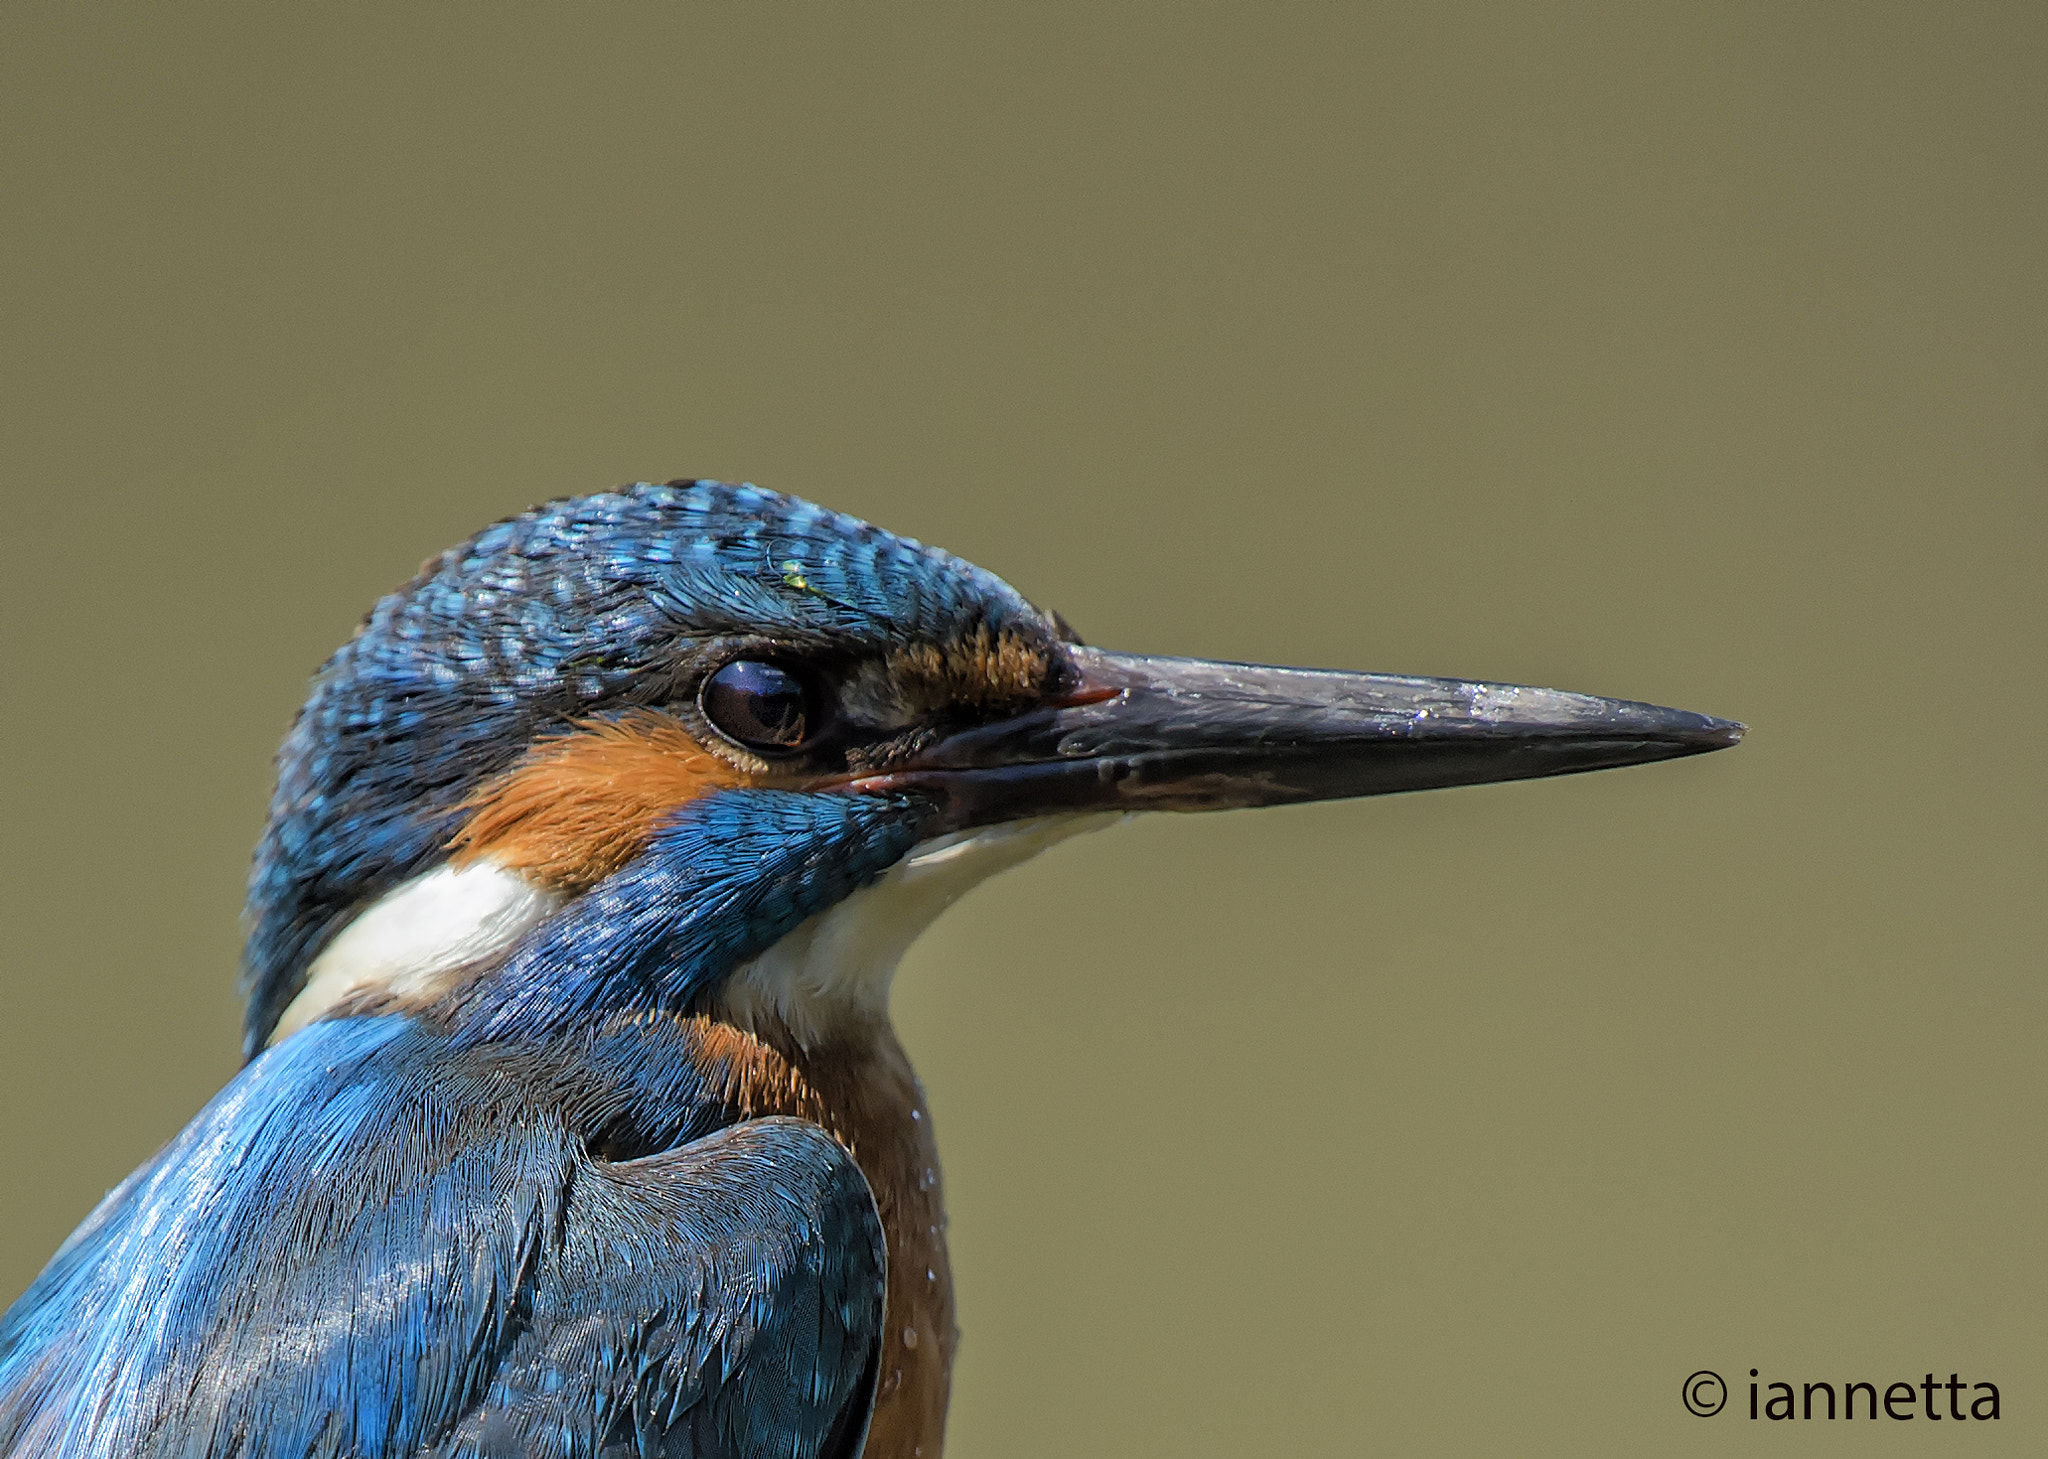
1696,354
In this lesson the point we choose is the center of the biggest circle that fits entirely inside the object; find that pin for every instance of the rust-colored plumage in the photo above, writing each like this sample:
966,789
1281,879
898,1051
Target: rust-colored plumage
579,806
978,670
874,1104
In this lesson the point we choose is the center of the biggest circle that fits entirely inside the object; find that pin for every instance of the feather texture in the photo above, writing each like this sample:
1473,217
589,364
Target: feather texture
374,1243
586,605
509,1175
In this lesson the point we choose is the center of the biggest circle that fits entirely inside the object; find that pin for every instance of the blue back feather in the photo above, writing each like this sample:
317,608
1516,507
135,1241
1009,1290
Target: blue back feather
373,1244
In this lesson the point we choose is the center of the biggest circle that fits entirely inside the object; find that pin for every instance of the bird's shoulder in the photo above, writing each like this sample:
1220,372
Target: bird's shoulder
379,1240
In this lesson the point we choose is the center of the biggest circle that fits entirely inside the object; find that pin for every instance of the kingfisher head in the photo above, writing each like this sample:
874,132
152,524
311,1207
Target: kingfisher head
703,745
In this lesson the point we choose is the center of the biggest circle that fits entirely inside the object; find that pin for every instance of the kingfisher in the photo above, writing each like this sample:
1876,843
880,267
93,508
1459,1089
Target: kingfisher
572,1122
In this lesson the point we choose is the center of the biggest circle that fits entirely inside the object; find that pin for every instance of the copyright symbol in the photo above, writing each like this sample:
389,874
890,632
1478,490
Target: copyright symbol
1705,1393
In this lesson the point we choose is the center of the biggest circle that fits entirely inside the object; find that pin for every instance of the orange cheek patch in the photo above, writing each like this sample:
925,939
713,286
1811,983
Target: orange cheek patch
579,807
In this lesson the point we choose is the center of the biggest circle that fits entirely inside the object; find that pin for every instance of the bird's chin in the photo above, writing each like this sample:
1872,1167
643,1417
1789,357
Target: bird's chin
830,978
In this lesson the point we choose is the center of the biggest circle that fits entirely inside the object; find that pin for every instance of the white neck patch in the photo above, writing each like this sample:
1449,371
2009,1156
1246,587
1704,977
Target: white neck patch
833,972
409,940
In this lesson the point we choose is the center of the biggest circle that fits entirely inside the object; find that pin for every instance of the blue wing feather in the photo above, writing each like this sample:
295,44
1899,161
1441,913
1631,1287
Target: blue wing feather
682,1280
368,1246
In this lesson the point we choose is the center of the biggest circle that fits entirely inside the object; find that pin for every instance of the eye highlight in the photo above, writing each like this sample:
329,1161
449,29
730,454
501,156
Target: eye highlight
760,705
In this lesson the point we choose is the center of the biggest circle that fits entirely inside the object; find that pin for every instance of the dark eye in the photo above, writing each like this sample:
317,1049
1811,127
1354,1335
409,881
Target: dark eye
759,705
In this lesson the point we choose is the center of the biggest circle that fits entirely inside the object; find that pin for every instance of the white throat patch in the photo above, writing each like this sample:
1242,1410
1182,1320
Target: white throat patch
407,941
835,969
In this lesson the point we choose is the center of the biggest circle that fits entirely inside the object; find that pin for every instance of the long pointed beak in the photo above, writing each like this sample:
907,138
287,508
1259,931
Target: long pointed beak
1142,733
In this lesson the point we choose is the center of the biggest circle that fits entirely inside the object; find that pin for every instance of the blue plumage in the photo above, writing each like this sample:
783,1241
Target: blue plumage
368,1244
533,1220
535,1170
572,608
726,879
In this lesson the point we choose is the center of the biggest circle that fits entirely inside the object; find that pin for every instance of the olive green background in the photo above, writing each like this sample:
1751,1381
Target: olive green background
1696,354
